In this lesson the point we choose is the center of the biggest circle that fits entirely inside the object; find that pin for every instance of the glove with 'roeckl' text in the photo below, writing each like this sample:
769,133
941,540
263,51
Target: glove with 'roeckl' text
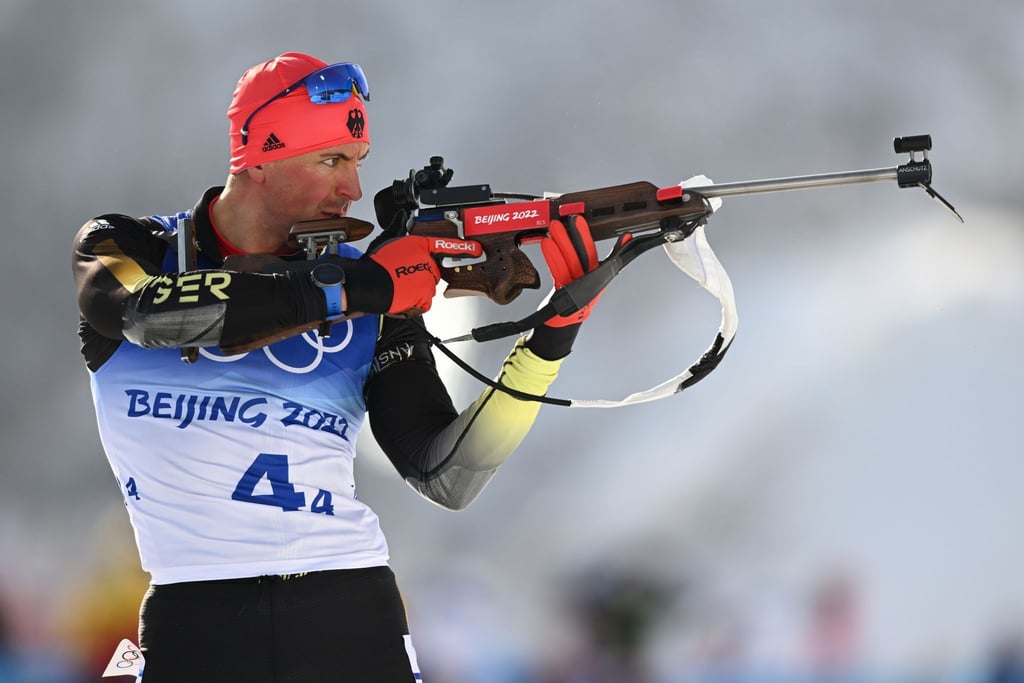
400,276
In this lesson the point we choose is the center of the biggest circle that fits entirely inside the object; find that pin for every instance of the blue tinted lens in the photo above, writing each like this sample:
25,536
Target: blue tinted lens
335,83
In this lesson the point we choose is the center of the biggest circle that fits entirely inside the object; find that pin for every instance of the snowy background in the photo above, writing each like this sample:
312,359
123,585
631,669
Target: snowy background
844,492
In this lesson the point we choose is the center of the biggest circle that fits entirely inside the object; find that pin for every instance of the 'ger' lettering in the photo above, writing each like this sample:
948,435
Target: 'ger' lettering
190,285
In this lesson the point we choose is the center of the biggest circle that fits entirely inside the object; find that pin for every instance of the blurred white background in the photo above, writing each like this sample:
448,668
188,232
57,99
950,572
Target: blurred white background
840,497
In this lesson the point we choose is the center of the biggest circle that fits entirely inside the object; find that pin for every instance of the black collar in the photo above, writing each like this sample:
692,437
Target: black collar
206,239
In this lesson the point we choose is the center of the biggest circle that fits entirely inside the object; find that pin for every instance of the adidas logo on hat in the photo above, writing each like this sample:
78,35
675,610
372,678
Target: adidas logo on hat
272,143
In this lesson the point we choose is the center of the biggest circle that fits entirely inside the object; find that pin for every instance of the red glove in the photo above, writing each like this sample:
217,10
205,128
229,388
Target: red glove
570,253
411,273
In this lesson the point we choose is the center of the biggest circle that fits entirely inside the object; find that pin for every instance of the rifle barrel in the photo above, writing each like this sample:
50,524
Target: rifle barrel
795,182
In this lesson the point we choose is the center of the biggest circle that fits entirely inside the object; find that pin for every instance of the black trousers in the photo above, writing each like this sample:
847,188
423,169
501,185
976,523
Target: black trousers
344,626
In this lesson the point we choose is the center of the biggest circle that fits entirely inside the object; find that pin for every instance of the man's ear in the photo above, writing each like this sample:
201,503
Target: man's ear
257,174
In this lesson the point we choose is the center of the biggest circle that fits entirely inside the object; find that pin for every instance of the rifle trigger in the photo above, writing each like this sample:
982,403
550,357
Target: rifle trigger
460,261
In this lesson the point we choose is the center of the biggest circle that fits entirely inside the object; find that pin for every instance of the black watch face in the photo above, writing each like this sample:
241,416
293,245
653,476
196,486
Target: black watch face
328,275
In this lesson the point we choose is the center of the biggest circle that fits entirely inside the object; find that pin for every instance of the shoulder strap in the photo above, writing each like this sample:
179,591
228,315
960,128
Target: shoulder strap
187,262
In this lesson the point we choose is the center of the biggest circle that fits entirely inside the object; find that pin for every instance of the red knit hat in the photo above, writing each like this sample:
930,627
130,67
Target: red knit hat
289,125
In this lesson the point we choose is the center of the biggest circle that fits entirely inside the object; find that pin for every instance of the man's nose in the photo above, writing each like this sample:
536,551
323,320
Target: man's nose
349,186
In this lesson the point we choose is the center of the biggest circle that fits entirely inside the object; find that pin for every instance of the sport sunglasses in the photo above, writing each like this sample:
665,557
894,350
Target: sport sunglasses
330,85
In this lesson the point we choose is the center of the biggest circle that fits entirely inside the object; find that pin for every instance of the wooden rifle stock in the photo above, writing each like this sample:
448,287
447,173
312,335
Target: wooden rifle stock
316,234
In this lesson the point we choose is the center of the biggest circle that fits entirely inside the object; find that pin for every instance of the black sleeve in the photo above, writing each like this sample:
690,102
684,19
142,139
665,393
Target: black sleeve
407,402
123,292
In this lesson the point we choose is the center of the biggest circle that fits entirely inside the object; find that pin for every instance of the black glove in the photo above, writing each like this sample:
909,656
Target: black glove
392,218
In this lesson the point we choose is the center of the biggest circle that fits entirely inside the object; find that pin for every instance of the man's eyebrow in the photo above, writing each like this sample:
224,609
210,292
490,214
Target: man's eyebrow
346,157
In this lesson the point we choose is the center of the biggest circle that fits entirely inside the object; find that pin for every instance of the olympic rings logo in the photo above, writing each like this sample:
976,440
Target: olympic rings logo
128,659
311,338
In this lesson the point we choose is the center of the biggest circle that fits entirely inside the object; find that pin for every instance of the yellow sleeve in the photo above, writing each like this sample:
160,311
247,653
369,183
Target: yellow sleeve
485,434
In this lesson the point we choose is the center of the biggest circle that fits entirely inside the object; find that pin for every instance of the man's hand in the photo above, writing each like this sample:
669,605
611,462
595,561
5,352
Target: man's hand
570,253
400,276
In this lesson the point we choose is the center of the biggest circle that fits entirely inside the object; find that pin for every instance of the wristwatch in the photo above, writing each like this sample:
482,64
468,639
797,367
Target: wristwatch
329,277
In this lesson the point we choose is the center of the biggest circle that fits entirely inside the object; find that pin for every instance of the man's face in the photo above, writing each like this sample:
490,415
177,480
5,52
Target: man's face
320,184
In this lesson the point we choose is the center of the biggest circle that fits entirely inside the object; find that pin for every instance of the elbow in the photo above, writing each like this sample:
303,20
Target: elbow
452,505
455,493
457,504
443,499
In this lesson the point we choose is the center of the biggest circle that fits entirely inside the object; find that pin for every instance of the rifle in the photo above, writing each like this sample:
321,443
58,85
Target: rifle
425,204
503,222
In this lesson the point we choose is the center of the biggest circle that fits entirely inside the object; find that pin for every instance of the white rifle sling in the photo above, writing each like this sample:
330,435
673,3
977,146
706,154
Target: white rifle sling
694,257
